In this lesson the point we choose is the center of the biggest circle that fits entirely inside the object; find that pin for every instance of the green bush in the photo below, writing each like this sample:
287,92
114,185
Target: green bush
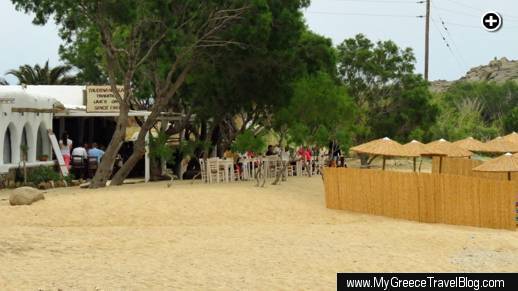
43,174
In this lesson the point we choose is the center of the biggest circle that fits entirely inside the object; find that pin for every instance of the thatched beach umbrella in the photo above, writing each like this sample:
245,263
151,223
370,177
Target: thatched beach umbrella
471,144
384,147
501,145
415,148
513,137
443,148
503,164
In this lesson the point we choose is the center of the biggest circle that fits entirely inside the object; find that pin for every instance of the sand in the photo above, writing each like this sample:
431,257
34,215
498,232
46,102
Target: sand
226,236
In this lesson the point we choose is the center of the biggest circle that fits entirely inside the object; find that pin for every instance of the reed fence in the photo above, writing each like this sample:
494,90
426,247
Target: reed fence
430,198
464,167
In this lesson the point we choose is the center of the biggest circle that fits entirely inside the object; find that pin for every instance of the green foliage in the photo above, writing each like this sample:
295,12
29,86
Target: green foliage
463,120
159,148
3,82
392,100
497,100
43,174
316,54
319,111
483,110
43,75
249,141
510,121
256,74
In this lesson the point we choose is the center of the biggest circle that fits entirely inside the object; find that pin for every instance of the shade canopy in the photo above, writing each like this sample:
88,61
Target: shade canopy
506,163
443,147
501,145
471,144
415,147
382,147
513,137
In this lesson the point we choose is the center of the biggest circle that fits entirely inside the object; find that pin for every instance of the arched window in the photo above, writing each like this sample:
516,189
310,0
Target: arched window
24,146
7,146
28,144
42,142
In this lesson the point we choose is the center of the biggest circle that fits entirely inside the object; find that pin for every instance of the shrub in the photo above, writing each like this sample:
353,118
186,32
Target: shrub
43,174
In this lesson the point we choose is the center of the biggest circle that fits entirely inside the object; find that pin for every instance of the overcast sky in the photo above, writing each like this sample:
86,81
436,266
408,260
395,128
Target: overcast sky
24,43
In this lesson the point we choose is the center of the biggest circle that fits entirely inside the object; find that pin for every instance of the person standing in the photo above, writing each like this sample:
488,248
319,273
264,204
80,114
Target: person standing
65,146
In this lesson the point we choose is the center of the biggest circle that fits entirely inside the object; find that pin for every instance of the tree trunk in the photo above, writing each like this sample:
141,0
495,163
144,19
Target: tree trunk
104,170
120,176
281,174
139,150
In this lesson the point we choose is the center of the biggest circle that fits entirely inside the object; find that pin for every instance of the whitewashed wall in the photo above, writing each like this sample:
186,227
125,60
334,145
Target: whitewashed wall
16,122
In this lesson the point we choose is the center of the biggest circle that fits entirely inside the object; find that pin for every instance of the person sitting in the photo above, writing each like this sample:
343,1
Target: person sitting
80,160
95,152
80,151
270,152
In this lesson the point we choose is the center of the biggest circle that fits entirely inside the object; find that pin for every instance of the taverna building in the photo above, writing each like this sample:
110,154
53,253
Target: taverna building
27,113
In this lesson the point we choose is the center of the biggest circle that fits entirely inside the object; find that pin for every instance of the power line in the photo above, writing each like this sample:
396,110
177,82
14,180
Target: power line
366,14
476,8
453,41
445,28
458,12
387,1
466,5
447,44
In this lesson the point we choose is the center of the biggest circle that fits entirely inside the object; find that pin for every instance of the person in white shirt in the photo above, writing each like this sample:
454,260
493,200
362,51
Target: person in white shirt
79,161
65,146
80,151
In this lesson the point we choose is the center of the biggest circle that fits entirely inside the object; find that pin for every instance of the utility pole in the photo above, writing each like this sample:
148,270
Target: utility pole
427,41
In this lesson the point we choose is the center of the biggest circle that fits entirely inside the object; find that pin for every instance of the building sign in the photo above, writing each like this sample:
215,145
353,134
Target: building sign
101,99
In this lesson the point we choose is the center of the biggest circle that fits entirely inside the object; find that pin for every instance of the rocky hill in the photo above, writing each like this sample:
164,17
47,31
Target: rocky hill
497,70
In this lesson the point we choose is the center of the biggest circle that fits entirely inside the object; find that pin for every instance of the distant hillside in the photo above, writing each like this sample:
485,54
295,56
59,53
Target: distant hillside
498,70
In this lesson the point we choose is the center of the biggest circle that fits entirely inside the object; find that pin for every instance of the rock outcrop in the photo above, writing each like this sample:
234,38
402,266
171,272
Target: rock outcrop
499,71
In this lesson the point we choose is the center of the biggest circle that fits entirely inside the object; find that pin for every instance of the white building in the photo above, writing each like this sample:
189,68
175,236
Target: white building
24,120
28,112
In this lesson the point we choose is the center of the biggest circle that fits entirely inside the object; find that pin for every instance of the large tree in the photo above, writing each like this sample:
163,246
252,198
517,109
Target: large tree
162,38
238,86
392,99
44,75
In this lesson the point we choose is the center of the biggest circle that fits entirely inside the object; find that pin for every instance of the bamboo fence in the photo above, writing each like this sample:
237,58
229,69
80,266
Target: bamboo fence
464,167
430,198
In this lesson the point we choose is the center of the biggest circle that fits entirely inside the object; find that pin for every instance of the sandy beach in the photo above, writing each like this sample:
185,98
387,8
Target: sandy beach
225,236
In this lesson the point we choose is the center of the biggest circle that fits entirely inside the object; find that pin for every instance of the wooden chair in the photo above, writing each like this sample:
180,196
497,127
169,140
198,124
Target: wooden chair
213,170
203,171
79,166
93,164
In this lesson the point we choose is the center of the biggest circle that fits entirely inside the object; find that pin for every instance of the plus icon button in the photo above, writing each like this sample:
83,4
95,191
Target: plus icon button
492,21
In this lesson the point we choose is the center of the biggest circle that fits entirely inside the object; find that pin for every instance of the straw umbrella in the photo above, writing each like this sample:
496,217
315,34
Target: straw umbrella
501,145
471,144
415,148
503,164
443,148
384,147
513,137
